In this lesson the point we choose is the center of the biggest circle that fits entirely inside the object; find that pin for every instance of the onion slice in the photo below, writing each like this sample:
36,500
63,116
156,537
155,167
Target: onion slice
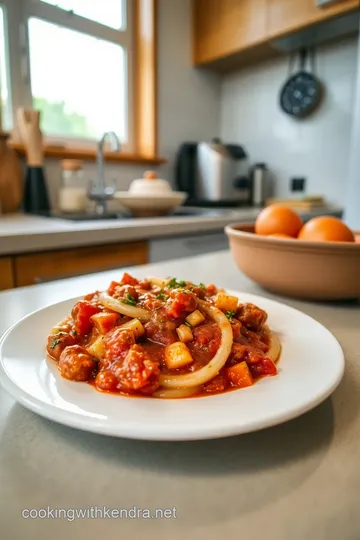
275,345
130,311
211,369
175,393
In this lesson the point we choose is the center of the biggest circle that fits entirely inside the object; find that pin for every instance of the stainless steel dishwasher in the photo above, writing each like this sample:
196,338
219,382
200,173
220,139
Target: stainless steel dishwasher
164,249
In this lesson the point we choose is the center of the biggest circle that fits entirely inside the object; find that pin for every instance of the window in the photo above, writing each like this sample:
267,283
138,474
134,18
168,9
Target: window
5,108
74,65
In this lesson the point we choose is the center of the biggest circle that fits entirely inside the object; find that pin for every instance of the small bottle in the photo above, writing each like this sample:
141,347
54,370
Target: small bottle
72,195
258,184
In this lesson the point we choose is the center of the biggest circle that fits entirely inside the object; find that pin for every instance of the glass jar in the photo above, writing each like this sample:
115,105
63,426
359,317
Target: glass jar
72,194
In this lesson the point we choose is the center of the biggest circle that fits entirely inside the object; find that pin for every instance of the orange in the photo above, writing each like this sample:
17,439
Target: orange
326,229
278,219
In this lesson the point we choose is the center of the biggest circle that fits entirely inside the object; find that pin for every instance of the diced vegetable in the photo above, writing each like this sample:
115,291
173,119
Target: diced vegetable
104,321
195,318
97,348
240,375
129,280
185,334
265,366
135,326
225,302
177,355
112,287
82,313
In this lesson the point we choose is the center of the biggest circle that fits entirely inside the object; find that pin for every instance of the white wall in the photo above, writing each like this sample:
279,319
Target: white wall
316,148
189,100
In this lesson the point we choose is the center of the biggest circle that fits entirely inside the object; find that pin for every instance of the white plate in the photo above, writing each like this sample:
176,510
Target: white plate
310,368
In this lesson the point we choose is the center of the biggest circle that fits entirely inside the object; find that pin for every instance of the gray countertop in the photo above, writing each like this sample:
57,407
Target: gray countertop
295,481
20,233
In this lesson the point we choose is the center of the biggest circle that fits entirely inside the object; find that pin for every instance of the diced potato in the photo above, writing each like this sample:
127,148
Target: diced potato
135,326
62,326
240,375
97,348
160,282
225,302
177,355
195,318
185,334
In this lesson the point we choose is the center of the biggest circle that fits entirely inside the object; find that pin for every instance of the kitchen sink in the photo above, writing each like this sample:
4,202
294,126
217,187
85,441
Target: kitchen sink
181,212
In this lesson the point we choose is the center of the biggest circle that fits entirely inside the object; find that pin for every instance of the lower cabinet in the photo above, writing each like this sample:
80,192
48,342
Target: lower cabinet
34,268
164,249
6,273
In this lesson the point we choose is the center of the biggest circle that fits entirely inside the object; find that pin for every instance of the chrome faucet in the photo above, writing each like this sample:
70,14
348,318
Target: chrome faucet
99,192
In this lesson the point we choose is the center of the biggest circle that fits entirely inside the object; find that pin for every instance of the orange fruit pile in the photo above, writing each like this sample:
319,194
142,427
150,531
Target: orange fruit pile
281,222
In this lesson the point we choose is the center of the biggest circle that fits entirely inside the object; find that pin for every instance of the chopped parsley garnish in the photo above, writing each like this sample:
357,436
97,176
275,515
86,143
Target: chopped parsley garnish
202,286
161,295
175,284
188,325
230,314
54,343
191,288
129,300
73,333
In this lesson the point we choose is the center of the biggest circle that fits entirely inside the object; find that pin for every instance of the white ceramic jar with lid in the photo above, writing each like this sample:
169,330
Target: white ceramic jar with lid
72,195
150,185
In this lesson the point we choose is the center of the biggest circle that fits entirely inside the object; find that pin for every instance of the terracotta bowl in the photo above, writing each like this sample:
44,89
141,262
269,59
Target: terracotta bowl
309,270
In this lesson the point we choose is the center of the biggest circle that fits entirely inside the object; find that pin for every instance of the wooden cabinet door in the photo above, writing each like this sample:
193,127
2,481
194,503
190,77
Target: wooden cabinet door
6,273
286,16
49,266
223,27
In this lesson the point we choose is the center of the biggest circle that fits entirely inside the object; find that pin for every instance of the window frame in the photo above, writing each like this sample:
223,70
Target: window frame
140,43
7,67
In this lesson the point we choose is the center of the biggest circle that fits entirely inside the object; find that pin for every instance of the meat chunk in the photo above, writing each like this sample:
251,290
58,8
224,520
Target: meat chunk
243,353
254,339
160,330
216,385
251,316
57,343
180,303
136,371
117,342
150,302
125,291
76,364
236,329
106,381
206,342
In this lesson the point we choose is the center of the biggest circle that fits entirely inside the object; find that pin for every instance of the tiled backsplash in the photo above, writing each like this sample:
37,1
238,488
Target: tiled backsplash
316,148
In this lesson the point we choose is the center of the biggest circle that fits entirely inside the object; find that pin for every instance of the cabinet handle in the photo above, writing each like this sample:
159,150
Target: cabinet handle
47,279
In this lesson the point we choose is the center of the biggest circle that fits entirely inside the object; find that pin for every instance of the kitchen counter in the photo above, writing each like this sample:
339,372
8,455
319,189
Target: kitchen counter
295,481
20,233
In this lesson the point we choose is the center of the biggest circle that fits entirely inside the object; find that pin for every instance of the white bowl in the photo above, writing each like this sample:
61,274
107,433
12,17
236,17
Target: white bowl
150,205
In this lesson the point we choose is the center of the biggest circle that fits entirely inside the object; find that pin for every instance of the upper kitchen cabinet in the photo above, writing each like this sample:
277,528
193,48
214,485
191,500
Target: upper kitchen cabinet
225,27
231,33
288,16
